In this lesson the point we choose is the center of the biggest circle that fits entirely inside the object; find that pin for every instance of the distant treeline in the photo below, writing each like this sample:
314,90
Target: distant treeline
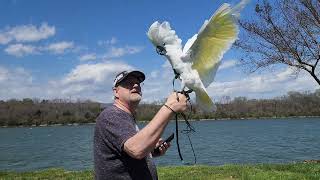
29,112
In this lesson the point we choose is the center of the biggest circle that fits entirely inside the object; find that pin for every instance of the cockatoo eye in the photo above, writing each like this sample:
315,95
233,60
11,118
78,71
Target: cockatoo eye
161,50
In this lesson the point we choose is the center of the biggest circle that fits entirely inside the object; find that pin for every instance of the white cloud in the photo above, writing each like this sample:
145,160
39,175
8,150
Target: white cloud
60,47
4,39
228,64
20,50
90,80
154,74
94,81
85,81
118,52
88,57
112,41
15,76
4,74
26,33
91,72
158,83
265,85
16,83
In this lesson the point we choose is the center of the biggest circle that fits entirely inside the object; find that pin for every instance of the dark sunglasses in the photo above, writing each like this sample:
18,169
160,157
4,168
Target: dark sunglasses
127,83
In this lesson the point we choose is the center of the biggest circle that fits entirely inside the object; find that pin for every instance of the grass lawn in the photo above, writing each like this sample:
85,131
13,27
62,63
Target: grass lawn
297,171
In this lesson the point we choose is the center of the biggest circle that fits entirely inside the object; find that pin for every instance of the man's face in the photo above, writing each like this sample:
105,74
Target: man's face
129,90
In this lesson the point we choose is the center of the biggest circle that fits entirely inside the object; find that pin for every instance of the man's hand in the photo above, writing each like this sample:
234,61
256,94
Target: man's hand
174,104
163,148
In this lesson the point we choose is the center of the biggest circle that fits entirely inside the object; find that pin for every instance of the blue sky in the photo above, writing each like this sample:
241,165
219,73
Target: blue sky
73,49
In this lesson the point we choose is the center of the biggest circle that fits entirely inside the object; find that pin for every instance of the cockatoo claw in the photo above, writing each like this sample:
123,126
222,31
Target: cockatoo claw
186,93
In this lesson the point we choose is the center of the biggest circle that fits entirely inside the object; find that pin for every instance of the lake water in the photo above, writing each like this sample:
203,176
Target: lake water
214,142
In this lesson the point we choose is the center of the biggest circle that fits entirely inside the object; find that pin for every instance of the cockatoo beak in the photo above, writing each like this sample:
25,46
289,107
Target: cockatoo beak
161,50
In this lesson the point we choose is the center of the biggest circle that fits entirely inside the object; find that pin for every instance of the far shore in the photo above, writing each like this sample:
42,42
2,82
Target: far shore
219,119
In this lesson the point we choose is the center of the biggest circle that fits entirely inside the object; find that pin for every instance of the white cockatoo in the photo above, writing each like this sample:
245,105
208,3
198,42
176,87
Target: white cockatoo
197,63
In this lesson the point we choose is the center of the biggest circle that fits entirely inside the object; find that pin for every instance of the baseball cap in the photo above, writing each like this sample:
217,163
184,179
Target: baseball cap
124,74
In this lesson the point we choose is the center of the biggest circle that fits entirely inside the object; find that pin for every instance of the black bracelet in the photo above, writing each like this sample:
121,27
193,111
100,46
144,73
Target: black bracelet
170,108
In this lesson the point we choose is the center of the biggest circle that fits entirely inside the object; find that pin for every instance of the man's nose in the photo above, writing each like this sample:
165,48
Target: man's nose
136,85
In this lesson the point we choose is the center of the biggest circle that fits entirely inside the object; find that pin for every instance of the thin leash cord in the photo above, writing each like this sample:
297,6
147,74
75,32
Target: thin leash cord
177,139
177,127
189,129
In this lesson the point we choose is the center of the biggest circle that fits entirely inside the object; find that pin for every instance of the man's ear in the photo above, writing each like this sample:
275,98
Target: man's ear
115,92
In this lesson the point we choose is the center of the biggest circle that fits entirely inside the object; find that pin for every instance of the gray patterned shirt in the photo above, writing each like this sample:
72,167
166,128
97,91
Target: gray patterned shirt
113,128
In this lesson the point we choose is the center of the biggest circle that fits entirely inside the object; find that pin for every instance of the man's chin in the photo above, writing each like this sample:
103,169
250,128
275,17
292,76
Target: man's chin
135,98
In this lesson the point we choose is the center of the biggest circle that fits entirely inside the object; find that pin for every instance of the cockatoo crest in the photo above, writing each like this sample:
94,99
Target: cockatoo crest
163,35
197,63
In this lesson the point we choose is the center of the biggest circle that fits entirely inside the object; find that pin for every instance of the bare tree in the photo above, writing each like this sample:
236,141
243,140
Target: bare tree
283,32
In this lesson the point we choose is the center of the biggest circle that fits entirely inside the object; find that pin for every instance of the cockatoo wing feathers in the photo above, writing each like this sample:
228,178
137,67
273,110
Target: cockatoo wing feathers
214,39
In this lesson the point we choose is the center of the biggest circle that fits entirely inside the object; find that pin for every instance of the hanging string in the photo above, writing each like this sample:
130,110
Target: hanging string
189,129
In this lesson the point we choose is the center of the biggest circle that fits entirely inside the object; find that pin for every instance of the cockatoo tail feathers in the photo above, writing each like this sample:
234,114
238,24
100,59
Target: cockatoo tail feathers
204,101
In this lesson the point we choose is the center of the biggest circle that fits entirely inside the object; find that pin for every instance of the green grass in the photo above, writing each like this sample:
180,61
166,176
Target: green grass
288,171
297,171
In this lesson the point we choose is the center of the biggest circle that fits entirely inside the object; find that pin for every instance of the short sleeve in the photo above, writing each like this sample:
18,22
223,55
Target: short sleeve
116,127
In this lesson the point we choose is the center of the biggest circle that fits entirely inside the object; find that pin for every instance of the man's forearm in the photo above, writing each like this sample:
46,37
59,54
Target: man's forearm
141,144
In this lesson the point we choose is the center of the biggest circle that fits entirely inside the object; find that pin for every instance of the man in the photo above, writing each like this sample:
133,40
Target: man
121,151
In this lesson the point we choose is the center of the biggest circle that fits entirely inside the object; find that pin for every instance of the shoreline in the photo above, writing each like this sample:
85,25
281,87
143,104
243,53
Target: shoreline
220,119
253,118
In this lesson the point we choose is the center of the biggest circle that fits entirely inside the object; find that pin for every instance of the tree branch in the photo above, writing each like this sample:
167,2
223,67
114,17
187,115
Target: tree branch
309,6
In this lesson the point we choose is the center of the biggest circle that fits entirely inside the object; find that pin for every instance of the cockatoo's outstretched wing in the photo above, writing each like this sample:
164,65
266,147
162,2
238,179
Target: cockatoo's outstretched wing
213,40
